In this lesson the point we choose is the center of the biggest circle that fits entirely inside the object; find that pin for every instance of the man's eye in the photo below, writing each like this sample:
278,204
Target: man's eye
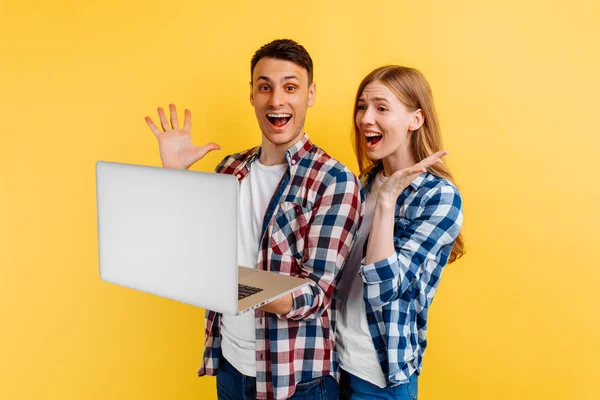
264,87
291,88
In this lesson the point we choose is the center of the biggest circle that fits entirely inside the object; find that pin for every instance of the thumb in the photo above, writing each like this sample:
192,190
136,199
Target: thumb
202,151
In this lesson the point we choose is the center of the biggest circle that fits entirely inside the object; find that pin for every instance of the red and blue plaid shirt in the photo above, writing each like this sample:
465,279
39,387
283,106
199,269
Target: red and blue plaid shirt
308,229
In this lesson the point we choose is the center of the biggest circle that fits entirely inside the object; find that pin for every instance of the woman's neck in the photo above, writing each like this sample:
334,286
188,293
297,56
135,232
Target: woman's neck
401,159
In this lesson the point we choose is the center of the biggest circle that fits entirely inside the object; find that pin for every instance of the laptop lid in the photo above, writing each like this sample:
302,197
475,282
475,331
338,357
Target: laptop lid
169,232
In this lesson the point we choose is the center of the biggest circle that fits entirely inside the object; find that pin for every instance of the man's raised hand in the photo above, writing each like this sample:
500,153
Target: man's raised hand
174,143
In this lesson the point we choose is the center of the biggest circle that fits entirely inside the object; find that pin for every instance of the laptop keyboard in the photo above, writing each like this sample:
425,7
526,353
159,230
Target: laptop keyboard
245,291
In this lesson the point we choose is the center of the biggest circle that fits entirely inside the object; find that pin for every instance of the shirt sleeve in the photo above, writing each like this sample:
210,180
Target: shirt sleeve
417,245
330,234
219,168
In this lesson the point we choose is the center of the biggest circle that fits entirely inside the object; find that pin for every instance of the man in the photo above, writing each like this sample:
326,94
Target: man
299,209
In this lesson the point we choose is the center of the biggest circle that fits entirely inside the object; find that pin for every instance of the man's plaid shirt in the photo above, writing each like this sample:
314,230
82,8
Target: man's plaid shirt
398,290
308,229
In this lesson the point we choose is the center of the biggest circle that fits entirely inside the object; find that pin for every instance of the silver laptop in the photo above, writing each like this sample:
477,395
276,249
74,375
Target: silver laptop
174,234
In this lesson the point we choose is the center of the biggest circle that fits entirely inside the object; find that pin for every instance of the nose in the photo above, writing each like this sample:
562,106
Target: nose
277,99
365,117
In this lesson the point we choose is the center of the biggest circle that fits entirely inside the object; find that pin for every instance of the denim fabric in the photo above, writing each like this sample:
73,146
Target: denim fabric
354,388
233,385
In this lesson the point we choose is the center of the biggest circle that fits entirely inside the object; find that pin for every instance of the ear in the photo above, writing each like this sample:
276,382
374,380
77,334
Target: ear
251,95
417,120
312,94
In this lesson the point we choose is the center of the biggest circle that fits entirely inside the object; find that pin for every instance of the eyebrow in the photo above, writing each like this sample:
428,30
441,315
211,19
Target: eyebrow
285,78
377,98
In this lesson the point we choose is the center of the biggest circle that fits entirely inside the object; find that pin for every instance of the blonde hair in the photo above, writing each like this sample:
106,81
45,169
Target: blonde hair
411,88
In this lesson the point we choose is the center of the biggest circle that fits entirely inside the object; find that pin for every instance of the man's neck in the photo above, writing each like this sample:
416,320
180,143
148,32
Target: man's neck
270,155
274,154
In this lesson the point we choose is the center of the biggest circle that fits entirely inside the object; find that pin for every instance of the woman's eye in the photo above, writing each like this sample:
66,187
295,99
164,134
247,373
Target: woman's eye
361,107
381,108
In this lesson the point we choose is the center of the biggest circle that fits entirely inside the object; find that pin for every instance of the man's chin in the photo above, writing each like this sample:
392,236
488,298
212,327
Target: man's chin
282,138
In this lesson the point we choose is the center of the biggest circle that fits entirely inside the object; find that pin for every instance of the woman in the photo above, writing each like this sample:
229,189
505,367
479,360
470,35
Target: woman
412,219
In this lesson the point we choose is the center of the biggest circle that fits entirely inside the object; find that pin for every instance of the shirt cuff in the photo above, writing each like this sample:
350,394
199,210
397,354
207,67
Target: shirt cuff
381,271
303,299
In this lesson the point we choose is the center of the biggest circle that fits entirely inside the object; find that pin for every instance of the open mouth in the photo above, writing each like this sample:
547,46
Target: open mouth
373,138
279,120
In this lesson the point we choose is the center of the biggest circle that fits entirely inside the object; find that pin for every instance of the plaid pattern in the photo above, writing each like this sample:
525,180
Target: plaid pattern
308,230
400,288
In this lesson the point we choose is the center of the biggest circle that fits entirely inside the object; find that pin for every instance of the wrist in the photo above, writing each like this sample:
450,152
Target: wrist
175,166
385,202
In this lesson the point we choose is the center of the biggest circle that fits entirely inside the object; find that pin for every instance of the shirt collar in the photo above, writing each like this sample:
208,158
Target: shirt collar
298,150
253,155
292,155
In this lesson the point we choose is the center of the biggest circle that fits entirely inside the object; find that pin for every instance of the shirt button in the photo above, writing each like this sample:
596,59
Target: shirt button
293,162
380,351
370,317
238,176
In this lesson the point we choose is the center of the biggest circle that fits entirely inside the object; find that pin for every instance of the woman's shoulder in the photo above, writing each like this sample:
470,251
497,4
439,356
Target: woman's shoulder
433,195
435,185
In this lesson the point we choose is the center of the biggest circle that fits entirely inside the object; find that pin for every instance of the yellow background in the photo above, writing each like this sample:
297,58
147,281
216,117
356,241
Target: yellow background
516,85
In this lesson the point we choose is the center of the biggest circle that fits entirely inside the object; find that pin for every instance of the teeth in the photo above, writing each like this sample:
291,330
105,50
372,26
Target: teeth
373,134
279,115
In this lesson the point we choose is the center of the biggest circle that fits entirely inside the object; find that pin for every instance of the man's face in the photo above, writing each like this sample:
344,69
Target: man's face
281,95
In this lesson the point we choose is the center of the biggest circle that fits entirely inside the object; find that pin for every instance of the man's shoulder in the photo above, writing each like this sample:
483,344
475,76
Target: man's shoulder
329,167
230,163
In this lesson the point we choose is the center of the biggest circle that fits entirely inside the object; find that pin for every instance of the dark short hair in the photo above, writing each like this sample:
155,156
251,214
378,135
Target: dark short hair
284,49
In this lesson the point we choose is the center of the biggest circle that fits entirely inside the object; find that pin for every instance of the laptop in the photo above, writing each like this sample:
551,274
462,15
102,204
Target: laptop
174,234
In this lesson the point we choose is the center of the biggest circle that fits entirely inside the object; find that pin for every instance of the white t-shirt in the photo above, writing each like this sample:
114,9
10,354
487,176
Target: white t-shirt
353,341
238,342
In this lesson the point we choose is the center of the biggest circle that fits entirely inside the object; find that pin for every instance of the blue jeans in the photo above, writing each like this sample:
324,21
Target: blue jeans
233,385
354,388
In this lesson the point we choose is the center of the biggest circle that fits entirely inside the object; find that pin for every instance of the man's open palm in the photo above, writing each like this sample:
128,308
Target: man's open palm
174,143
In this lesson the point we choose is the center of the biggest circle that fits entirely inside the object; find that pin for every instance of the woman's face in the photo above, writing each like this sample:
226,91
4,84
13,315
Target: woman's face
385,122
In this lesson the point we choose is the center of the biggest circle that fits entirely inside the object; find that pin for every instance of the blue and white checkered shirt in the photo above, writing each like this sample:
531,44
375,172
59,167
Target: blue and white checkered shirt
398,290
